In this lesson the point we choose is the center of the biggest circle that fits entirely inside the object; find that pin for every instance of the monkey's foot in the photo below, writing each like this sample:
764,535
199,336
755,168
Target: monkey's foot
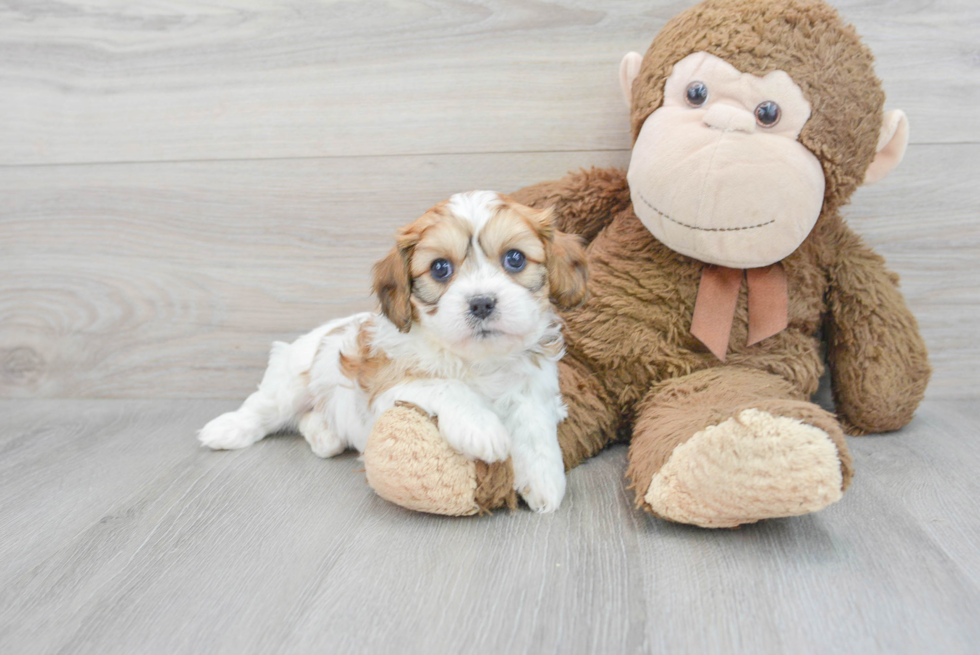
750,467
407,462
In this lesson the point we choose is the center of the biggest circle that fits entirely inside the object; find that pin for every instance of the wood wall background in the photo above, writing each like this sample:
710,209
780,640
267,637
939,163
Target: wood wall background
181,182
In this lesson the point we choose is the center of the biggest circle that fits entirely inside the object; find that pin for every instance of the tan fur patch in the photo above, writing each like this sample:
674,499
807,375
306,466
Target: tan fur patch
553,256
371,369
393,286
393,277
447,238
514,229
567,271
510,228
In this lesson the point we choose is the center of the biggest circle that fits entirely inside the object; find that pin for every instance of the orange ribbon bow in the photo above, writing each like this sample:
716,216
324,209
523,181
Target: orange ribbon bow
714,309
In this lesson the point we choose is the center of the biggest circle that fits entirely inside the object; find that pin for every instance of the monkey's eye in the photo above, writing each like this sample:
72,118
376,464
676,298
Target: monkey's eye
441,270
767,114
514,261
696,93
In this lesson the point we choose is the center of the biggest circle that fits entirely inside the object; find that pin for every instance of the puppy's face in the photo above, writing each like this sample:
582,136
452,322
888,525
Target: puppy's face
478,272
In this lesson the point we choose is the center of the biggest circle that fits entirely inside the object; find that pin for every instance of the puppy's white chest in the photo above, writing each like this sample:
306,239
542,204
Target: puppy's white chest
504,387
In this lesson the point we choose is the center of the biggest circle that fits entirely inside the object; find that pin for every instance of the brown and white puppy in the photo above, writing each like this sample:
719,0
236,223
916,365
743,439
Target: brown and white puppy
466,331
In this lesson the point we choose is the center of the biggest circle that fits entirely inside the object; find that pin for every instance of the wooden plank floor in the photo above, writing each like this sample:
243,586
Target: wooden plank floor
118,534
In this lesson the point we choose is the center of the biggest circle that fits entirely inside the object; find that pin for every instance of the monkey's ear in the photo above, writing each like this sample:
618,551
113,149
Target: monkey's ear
567,270
629,68
393,286
892,142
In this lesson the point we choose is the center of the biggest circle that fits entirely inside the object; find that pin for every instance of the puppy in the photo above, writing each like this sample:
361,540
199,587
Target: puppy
466,332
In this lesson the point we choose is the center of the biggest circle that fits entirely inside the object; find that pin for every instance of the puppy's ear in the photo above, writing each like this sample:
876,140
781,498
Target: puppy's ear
393,286
567,270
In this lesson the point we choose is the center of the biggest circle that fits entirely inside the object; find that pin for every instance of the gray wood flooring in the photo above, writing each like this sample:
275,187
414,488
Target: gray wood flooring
184,181
119,535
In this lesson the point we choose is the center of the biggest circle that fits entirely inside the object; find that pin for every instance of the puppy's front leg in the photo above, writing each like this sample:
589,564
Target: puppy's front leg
539,473
465,420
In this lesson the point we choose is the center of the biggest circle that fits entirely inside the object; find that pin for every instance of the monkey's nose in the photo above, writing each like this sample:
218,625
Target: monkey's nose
482,306
729,119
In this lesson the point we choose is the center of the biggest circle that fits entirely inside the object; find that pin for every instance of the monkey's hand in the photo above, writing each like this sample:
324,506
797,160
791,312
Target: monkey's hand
878,360
584,202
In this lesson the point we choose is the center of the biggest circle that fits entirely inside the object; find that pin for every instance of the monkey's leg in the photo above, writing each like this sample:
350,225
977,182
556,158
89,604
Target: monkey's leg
408,462
731,445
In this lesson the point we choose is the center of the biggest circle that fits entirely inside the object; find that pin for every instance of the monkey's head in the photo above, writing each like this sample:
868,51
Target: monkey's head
750,118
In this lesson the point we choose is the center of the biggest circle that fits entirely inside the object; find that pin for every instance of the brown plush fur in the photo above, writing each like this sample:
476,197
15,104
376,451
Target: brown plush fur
371,369
495,486
677,408
632,363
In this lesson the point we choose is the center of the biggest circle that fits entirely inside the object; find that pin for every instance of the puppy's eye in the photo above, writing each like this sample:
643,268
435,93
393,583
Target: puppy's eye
696,94
514,261
768,113
441,270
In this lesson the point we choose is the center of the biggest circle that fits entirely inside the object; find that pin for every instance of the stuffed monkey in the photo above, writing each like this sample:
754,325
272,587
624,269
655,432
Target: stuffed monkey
717,262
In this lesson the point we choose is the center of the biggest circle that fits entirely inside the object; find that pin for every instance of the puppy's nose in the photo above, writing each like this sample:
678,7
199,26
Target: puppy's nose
482,306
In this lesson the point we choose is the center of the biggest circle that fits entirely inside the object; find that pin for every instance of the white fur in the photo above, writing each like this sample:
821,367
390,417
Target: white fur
492,386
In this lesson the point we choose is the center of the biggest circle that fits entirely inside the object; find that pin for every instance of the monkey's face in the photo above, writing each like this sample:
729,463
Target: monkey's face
717,172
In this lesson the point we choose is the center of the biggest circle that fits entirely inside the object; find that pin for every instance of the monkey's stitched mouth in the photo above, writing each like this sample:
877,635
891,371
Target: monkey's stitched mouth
704,229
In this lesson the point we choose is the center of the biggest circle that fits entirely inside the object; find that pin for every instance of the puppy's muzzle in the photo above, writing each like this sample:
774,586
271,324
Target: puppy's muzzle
482,306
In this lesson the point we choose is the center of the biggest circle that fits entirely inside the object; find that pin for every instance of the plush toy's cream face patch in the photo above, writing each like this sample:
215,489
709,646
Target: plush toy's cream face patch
717,172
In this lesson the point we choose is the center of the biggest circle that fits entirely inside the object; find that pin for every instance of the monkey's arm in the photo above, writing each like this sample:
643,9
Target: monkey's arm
584,202
878,361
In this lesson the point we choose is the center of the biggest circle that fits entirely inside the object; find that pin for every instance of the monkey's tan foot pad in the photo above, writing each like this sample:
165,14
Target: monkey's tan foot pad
407,462
750,467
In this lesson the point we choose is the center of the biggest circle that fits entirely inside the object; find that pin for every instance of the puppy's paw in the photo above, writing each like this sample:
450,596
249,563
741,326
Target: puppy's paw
229,432
542,486
481,436
321,438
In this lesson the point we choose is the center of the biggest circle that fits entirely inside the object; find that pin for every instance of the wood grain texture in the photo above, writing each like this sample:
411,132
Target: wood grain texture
171,280
119,535
120,81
